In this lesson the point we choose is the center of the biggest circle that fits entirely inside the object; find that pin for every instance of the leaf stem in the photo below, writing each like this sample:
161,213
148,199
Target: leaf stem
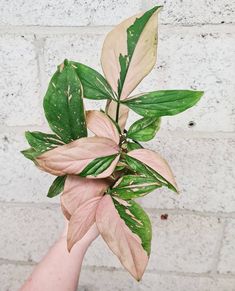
117,111
135,141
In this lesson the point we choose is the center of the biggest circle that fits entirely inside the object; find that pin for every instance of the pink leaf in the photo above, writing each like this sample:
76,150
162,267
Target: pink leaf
124,244
78,190
72,158
101,125
154,161
143,59
81,221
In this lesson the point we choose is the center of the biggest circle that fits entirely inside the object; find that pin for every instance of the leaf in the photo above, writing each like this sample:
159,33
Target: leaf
101,125
42,142
129,52
81,221
134,186
63,104
56,187
74,157
144,129
113,121
149,163
137,221
120,166
98,166
162,103
30,154
94,84
133,146
78,190
126,229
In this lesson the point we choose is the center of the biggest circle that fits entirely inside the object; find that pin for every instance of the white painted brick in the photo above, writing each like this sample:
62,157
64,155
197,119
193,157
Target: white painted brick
20,179
197,58
67,12
227,256
181,243
103,12
28,232
13,276
204,172
19,87
84,47
97,280
201,58
192,12
199,189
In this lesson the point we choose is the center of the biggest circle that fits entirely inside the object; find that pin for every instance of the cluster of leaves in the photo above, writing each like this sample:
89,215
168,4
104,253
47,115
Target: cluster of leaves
99,176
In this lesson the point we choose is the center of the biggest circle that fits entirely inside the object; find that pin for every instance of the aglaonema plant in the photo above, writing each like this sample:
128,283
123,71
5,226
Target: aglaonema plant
99,176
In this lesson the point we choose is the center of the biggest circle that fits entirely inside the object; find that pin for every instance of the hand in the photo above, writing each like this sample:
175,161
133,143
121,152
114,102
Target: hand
59,270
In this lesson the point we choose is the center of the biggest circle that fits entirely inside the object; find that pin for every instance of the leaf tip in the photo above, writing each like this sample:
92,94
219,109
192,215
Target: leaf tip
69,244
27,134
49,195
200,93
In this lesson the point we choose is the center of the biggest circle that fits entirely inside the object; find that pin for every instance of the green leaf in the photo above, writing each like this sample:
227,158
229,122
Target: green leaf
63,104
142,169
133,146
162,103
42,142
97,166
30,154
144,129
57,187
137,220
133,35
94,84
134,186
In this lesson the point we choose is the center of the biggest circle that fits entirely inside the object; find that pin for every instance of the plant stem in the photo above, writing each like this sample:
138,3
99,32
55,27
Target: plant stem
135,141
117,111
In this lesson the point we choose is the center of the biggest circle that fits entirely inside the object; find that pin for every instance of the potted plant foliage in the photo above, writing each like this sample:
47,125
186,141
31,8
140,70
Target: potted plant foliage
100,176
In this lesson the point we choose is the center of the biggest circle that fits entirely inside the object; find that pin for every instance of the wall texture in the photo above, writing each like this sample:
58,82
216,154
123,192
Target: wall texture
194,249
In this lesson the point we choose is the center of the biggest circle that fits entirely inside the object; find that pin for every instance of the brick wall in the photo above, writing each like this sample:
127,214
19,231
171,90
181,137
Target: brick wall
194,249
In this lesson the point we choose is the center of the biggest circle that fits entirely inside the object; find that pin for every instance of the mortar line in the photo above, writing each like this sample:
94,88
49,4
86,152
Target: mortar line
108,269
16,262
218,248
38,29
179,211
216,253
161,133
163,272
152,211
39,48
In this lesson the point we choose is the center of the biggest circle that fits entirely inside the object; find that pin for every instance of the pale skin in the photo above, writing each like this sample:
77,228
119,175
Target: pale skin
60,270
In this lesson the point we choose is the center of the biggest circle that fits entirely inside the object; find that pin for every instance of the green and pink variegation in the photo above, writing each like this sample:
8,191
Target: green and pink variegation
100,175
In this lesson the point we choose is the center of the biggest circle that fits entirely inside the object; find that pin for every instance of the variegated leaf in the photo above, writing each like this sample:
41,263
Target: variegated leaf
77,190
81,221
150,163
134,186
63,104
126,229
75,157
94,84
101,125
129,52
